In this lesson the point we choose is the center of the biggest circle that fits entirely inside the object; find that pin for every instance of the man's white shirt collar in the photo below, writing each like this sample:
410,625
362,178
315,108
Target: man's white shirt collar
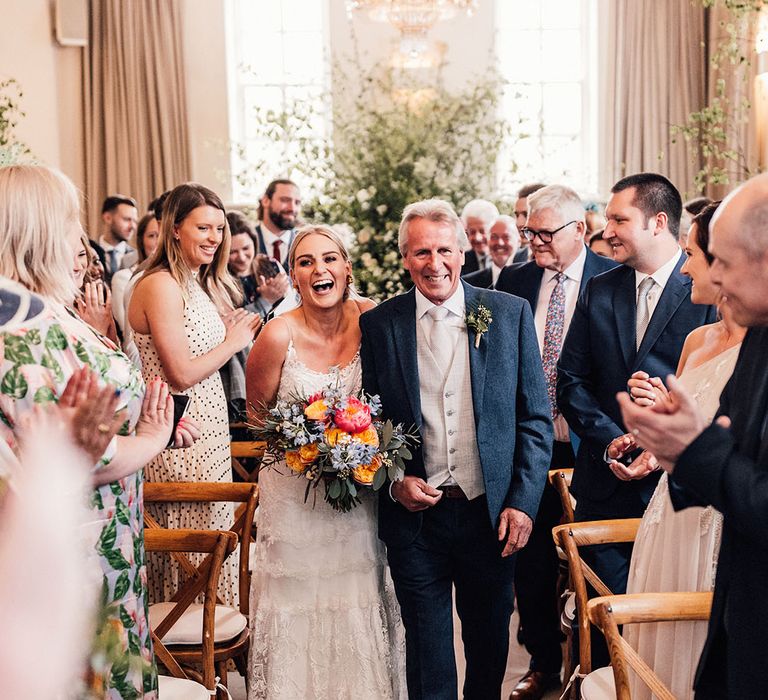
574,271
662,275
454,303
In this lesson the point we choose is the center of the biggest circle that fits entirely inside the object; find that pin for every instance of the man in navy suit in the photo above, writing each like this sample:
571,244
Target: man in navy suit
471,491
477,216
635,317
551,283
725,464
503,242
279,209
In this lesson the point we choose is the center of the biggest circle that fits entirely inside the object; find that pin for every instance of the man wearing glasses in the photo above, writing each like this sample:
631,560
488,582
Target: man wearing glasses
551,283
635,317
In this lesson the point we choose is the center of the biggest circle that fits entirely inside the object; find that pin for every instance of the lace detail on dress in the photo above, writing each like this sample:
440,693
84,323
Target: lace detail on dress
324,618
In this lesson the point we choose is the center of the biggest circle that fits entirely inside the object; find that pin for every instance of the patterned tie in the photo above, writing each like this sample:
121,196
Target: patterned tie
643,314
553,339
276,251
440,340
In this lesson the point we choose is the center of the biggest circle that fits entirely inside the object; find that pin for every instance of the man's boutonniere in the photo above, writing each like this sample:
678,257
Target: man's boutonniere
479,320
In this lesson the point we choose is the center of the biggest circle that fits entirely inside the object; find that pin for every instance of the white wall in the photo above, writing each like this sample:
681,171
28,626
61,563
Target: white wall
51,80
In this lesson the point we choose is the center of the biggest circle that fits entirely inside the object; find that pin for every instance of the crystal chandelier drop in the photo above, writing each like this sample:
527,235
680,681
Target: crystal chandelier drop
412,18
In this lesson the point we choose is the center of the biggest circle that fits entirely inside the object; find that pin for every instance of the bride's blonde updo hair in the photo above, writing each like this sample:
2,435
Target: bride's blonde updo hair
328,232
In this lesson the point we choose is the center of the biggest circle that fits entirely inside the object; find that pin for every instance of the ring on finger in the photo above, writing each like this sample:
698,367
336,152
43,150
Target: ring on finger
636,432
103,428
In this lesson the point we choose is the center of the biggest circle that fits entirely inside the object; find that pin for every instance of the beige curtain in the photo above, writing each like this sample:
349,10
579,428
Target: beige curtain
136,137
653,74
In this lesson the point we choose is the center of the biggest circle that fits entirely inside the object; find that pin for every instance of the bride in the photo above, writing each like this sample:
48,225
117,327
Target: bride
324,620
677,551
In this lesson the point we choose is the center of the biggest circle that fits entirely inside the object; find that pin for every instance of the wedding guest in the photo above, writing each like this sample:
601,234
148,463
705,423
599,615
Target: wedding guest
478,217
279,210
503,242
119,215
147,240
186,328
690,209
320,578
468,499
724,463
551,283
634,317
599,246
679,551
39,233
521,217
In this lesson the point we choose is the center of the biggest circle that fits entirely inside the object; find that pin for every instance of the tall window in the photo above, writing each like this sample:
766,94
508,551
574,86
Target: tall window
277,55
547,54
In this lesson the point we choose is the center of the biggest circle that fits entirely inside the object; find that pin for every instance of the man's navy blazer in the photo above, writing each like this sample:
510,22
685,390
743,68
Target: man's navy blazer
525,280
512,422
599,357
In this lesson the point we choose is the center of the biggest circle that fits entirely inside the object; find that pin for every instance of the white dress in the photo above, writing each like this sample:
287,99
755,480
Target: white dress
324,619
677,551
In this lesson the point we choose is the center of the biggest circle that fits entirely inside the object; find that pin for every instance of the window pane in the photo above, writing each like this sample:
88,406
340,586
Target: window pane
303,57
257,99
561,54
560,14
562,108
520,56
521,106
300,15
515,15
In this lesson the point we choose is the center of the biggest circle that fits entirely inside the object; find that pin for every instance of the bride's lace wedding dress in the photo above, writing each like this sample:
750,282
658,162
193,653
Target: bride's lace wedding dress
677,551
324,619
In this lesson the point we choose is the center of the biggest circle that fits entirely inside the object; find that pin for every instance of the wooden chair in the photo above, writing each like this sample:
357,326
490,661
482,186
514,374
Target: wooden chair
610,612
246,450
561,482
177,659
570,537
247,496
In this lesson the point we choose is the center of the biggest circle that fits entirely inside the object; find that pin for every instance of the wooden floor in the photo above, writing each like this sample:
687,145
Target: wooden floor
517,665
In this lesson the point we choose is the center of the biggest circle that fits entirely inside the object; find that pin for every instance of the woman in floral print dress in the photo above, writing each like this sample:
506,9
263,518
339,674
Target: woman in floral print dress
39,227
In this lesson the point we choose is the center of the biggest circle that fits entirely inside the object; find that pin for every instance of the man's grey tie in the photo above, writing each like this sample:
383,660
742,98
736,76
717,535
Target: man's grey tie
440,339
112,257
643,314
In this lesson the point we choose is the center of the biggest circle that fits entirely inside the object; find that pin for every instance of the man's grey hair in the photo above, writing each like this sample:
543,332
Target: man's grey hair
436,210
508,221
753,229
480,209
559,198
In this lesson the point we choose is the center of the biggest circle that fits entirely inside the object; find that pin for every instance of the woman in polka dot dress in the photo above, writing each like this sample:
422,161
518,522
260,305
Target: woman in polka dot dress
185,327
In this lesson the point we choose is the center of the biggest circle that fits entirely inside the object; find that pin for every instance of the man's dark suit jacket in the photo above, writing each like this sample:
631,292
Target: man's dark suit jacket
597,360
263,246
729,470
525,280
512,423
471,263
482,279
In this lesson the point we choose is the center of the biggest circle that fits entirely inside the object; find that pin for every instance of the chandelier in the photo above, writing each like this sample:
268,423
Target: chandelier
412,18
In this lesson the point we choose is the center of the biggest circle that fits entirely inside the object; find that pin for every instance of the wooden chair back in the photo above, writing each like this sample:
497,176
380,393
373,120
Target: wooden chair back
242,450
561,482
610,612
218,545
570,537
245,494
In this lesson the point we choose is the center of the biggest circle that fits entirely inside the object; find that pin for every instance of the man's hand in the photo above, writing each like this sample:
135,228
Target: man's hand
641,467
515,526
666,428
620,446
415,494
271,289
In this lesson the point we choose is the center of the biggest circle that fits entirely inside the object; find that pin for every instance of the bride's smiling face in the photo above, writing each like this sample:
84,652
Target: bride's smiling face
320,271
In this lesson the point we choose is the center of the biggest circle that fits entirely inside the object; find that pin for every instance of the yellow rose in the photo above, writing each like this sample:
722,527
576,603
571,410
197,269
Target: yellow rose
308,453
333,435
365,472
369,436
316,410
293,460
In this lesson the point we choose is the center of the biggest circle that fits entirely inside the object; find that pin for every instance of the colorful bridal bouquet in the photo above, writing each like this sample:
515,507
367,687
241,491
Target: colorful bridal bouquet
335,440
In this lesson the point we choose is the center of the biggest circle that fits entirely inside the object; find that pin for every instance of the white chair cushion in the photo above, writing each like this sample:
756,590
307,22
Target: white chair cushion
252,555
599,685
189,627
182,689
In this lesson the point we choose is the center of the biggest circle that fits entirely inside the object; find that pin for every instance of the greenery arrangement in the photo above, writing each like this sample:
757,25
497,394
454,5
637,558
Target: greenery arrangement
714,129
11,149
395,142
